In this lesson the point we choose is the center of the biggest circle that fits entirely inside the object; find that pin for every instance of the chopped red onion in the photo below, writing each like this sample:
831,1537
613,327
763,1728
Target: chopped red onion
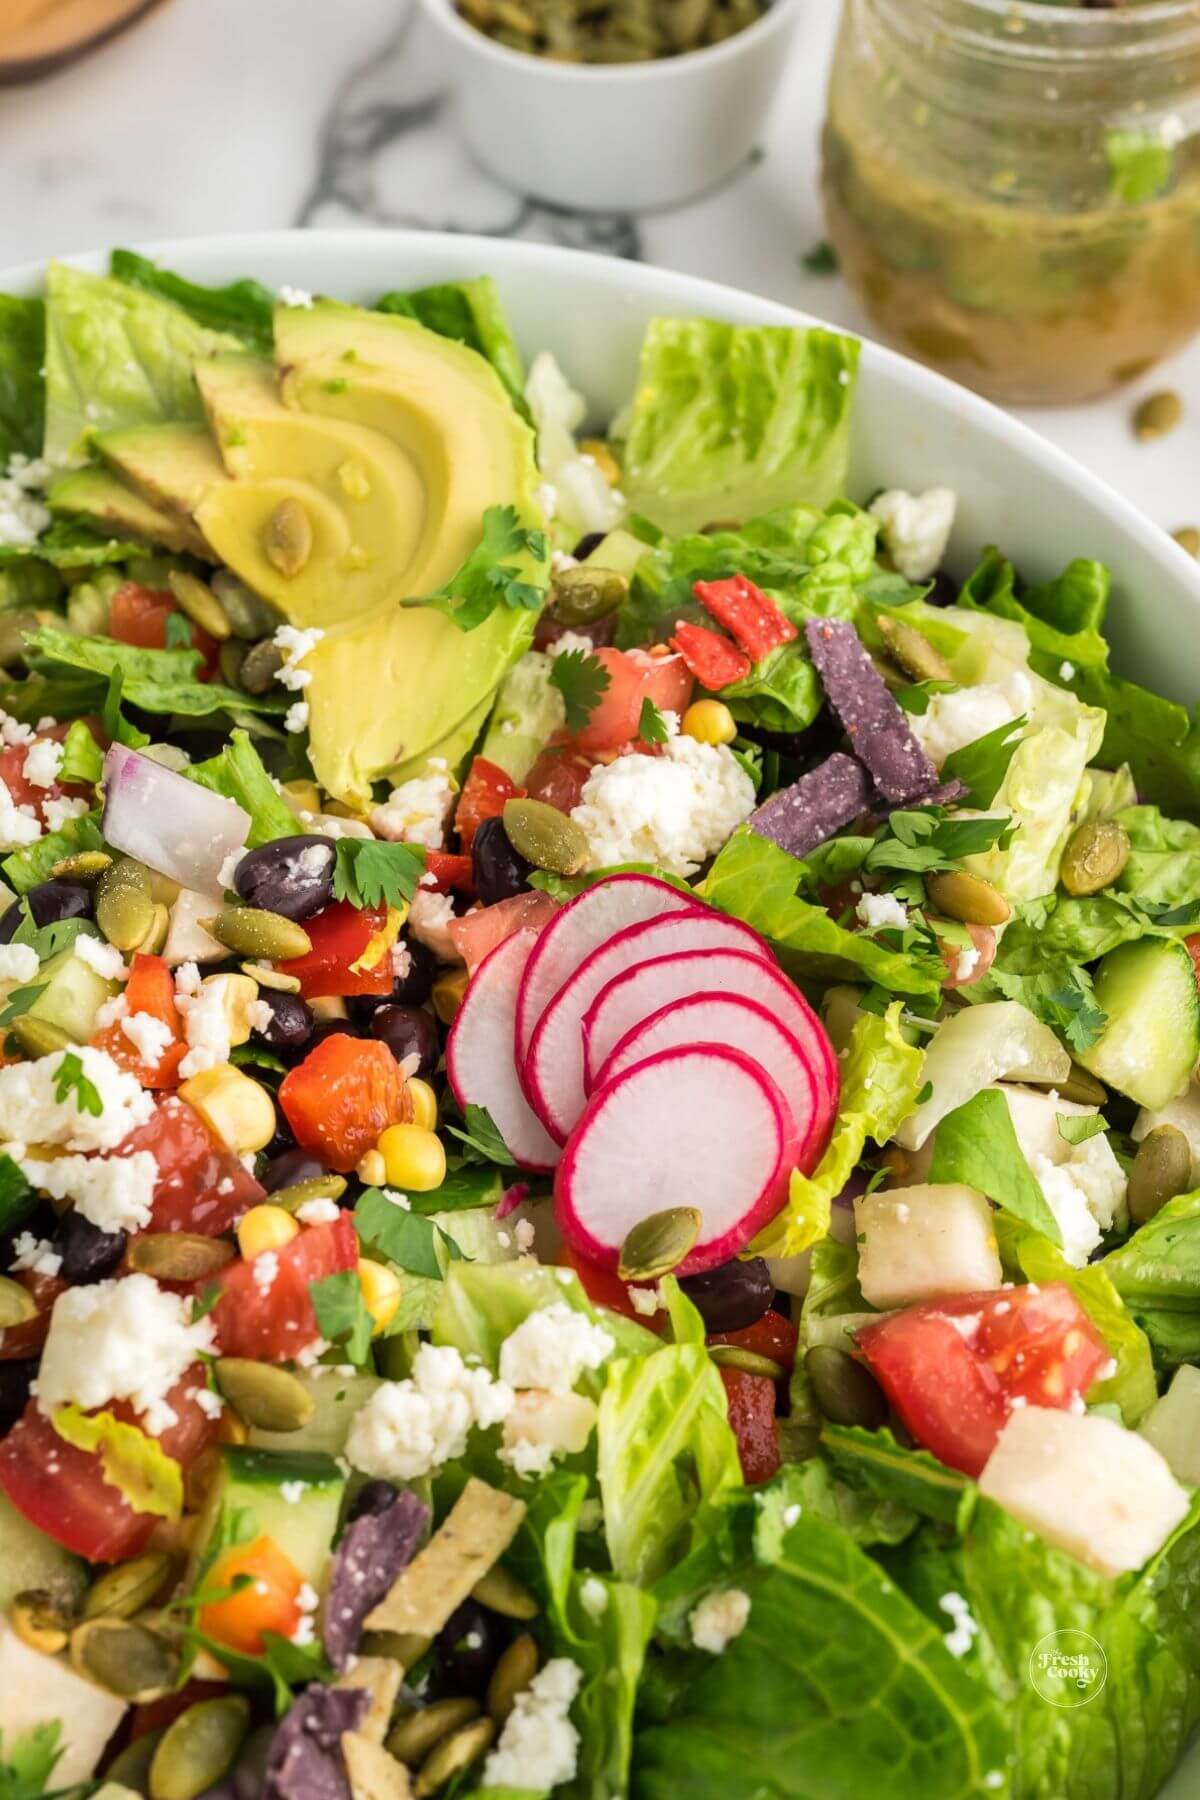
171,824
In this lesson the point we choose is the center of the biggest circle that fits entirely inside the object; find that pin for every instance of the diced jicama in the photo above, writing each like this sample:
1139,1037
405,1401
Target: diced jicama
918,1242
997,1040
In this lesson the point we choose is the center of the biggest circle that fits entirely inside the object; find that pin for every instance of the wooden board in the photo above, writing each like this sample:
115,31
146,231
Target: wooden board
38,36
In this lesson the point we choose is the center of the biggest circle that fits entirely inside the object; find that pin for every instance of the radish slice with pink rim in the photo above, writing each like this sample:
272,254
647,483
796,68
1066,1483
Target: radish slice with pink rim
649,986
703,1125
720,1018
582,926
553,1073
479,1060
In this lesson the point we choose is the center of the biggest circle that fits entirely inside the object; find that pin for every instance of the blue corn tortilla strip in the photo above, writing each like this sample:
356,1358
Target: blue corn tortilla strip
878,731
373,1551
306,1760
801,816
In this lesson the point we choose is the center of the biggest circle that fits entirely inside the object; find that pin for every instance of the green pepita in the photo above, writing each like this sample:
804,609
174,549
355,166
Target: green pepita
17,1305
127,1588
958,894
416,1733
199,1747
912,651
197,600
1095,855
732,1356
511,1676
130,1768
13,626
232,655
545,837
85,865
124,904
250,618
262,664
659,1243
1081,1085
1161,1170
1188,538
38,1037
41,1620
581,595
129,1660
1157,414
502,1593
268,977
453,1756
288,538
844,1389
320,1187
179,1255
156,931
251,932
263,1394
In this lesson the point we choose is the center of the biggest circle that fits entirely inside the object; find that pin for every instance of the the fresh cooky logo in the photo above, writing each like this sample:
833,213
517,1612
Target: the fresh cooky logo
1068,1668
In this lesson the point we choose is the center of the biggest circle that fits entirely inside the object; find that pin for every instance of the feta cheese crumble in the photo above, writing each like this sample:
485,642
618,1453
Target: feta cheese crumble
539,1746
126,1339
43,762
675,809
1084,1184
19,825
205,1026
718,1619
952,720
916,528
23,517
295,645
296,716
18,962
105,959
416,811
409,1428
964,1630
318,1212
880,911
148,1035
37,1255
30,1111
552,1348
58,812
429,919
113,1193
295,296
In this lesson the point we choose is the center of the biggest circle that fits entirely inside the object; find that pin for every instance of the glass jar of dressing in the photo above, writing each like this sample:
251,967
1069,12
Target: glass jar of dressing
1014,190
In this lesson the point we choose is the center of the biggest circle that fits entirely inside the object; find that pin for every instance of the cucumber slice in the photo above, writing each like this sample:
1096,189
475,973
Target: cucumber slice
73,995
29,1559
336,1399
1151,1043
294,1497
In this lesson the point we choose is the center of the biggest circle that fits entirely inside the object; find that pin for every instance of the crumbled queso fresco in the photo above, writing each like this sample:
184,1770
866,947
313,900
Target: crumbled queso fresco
31,1112
409,1428
539,1746
127,1339
417,810
552,1348
916,528
718,1619
675,809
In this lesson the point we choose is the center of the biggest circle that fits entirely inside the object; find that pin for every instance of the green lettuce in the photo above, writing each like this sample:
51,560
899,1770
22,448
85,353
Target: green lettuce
977,1145
729,421
1164,858
1040,792
238,773
482,1305
159,681
24,869
873,1462
472,313
22,389
1159,1266
243,308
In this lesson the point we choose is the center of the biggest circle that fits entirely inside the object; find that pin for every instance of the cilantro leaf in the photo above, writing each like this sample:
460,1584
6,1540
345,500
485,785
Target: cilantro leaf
342,1314
983,763
69,1078
652,727
483,1135
1064,1000
20,1001
915,699
925,840
28,1763
370,872
204,1302
486,580
178,632
1077,1128
411,1242
583,681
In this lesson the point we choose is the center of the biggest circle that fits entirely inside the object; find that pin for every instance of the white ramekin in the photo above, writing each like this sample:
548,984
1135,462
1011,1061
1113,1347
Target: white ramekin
623,137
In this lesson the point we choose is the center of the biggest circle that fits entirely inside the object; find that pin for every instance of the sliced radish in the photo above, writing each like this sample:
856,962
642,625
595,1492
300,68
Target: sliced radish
581,927
641,991
703,1125
479,1059
553,1072
720,1018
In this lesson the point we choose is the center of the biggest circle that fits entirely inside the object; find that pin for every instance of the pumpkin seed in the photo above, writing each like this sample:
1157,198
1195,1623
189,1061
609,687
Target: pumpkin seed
268,977
892,678
251,932
1188,538
545,837
582,595
1096,853
199,1747
249,617
197,600
85,865
405,1647
17,1305
261,665
128,1587
732,1356
38,1037
288,538
957,894
41,1621
131,1768
13,626
129,1660
232,655
320,1187
179,1255
452,1756
913,651
1157,414
156,931
1161,1169
124,905
844,1389
1080,1085
266,1396
659,1243
511,1676
414,1735
502,1593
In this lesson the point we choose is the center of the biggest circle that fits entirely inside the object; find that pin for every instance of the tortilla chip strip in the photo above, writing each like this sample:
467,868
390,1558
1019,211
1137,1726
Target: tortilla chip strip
478,1530
381,1677
372,1772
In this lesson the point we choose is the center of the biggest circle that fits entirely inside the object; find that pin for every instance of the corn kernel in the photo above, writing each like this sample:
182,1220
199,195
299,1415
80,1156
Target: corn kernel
424,1103
265,1227
372,1169
603,458
448,991
709,722
380,1290
238,1110
328,1006
413,1157
238,993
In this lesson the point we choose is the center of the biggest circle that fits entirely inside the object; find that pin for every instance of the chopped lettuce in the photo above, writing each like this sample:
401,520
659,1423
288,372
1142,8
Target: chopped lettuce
733,420
482,1305
976,1145
875,1463
1041,793
243,308
472,313
22,388
1164,860
159,681
238,773
23,869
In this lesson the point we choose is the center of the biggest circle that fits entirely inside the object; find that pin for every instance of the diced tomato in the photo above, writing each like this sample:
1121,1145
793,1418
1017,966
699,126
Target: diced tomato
773,1335
712,659
138,615
953,1368
751,1402
150,989
27,793
268,1601
202,1186
558,775
20,1341
63,1491
983,941
604,1287
339,1099
275,1321
478,932
633,677
750,617
339,934
484,792
450,873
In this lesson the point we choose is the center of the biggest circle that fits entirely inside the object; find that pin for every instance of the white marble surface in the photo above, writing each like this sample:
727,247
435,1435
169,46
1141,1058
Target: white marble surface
231,115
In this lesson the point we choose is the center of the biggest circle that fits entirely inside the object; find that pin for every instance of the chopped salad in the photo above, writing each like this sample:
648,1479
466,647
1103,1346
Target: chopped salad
599,1153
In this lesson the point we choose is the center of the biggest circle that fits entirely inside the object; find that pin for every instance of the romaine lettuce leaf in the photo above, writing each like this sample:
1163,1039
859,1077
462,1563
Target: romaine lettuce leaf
238,773
24,869
1159,1266
875,1463
977,1145
22,388
483,1304
730,421
1040,792
1164,860
159,681
243,308
472,313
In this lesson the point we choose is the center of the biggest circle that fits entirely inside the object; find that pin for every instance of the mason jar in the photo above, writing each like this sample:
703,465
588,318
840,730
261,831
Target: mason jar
1014,190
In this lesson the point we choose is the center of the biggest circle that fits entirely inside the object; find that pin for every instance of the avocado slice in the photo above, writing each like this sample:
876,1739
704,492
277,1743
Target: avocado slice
172,465
110,503
453,749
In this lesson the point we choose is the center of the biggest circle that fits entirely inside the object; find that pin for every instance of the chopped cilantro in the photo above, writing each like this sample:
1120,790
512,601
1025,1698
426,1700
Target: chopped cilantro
342,1314
482,1135
204,1302
927,839
486,580
652,727
369,872
27,1763
1064,1000
983,764
20,1001
1077,1128
820,259
411,1242
583,681
69,1078
178,632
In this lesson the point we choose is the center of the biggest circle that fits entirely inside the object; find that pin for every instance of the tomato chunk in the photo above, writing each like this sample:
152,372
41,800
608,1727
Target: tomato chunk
484,792
274,1320
751,1402
202,1186
151,990
773,1335
712,659
268,1601
478,932
20,1341
558,775
750,617
138,615
604,1287
30,793
633,677
449,873
339,935
339,1099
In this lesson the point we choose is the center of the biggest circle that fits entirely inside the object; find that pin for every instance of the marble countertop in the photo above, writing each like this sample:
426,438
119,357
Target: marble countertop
236,115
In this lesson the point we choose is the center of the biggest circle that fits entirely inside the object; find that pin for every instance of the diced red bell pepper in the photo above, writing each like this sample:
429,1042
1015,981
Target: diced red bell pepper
713,660
450,873
339,1099
273,1320
773,1336
484,792
150,989
751,1402
339,935
748,615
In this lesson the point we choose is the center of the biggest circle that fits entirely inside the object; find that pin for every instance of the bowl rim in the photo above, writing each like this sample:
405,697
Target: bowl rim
597,75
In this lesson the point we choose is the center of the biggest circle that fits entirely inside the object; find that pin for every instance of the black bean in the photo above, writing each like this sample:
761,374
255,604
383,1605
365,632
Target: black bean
412,989
292,1022
51,901
407,1031
289,1167
88,1254
276,877
499,870
15,1378
733,1295
591,540
372,1497
944,591
468,1647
